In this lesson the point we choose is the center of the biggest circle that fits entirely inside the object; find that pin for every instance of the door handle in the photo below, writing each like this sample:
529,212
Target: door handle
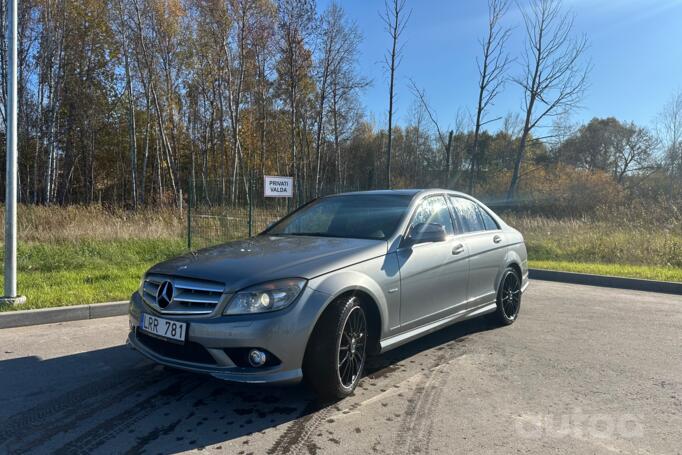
458,249
497,239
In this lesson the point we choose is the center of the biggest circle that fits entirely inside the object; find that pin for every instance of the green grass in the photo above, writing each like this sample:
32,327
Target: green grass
89,271
628,248
647,272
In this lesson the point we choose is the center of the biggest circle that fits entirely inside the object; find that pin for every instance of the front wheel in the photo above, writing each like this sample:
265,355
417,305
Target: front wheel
336,352
508,298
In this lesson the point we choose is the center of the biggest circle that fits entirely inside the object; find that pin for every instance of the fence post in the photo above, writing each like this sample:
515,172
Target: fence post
189,218
250,207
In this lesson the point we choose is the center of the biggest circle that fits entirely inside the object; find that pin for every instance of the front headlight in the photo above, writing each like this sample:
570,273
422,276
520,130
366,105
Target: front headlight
261,298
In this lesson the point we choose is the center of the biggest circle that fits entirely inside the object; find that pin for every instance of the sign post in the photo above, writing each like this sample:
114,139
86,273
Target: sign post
11,296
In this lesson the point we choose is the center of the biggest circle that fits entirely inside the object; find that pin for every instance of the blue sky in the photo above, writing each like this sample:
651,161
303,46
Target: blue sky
635,50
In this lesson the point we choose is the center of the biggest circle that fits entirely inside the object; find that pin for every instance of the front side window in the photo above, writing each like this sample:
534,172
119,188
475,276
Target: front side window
468,214
349,216
434,210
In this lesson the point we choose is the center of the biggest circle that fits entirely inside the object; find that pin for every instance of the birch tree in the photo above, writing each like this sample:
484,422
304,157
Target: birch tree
130,100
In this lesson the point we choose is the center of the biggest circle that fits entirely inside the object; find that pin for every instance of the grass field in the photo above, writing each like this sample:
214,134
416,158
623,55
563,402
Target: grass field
613,242
89,271
629,248
64,260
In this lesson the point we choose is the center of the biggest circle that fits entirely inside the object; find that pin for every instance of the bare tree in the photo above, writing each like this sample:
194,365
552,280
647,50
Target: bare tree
395,17
634,153
554,78
670,134
447,146
340,40
491,76
563,127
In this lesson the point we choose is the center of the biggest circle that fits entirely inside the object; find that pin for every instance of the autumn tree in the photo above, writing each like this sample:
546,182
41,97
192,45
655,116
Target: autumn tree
296,25
608,145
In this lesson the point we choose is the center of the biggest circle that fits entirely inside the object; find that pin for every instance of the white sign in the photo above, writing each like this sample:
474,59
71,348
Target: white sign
279,186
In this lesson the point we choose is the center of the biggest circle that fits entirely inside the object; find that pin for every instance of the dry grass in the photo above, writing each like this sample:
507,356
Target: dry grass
627,241
42,224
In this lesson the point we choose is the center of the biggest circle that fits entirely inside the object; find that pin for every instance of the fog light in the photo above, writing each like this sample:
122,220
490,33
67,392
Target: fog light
257,358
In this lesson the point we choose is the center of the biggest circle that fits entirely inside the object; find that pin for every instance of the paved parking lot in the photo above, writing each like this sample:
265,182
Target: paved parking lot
584,370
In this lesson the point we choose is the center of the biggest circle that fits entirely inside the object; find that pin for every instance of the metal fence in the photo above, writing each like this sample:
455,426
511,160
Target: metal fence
218,211
222,210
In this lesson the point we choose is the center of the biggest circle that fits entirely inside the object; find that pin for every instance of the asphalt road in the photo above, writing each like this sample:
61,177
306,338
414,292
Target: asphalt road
584,370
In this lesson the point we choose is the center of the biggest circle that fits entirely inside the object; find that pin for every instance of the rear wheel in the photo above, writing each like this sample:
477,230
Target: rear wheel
508,297
336,353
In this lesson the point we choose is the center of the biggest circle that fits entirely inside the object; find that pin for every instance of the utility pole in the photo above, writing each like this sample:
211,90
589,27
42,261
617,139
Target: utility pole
11,296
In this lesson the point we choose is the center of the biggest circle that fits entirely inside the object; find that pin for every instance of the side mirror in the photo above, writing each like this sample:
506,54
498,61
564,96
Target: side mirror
427,233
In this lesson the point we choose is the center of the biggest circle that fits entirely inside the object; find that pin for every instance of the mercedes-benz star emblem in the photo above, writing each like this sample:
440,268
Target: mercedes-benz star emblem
164,296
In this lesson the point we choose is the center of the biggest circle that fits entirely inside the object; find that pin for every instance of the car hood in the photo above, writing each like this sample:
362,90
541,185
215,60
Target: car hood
263,258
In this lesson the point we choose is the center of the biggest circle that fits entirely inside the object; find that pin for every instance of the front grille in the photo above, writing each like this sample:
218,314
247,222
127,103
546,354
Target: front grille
189,296
188,352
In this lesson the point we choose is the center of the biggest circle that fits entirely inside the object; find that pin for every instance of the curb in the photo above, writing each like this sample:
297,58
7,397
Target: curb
23,318
635,284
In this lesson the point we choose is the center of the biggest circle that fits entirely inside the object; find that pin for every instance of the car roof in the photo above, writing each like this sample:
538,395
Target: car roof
406,192
409,192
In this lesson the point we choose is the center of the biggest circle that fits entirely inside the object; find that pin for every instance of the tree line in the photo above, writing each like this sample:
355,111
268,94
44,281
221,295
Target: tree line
139,102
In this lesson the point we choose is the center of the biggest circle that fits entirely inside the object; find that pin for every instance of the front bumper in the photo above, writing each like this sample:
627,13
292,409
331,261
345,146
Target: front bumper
212,340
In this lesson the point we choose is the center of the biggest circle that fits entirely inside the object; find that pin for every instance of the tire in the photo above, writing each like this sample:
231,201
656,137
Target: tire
508,298
336,352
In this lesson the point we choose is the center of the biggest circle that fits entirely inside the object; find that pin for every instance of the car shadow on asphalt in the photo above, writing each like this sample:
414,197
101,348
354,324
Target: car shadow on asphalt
113,401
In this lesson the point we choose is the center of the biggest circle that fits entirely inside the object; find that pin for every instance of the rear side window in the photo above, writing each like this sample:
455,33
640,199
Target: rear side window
488,221
469,215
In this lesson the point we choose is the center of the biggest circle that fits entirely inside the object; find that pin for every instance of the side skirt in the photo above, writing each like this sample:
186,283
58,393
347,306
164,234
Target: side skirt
405,337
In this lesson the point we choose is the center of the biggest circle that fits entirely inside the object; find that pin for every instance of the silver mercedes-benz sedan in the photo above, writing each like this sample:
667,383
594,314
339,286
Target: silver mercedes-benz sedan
340,278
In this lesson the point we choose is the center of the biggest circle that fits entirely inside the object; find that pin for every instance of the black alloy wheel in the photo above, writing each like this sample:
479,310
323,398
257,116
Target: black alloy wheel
508,297
351,352
337,349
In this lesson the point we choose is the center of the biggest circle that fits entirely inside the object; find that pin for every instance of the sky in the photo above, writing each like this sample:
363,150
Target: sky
635,51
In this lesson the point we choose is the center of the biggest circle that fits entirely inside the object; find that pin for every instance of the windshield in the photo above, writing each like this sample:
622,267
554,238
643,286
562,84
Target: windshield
361,216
